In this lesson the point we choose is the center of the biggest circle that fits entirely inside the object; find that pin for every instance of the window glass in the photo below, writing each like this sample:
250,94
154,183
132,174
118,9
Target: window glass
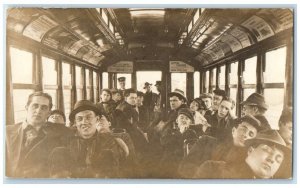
274,98
214,77
88,84
66,79
206,81
66,76
275,66
196,84
20,97
196,16
233,73
21,66
178,81
49,71
222,77
233,97
78,83
105,80
127,81
249,74
248,92
105,18
147,76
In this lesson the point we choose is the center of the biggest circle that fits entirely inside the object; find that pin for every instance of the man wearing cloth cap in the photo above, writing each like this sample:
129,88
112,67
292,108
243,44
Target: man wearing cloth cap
256,106
150,100
92,154
231,150
265,154
172,142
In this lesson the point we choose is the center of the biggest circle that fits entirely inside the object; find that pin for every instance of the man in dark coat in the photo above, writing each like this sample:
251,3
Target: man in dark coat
88,154
210,148
265,154
256,106
150,99
29,144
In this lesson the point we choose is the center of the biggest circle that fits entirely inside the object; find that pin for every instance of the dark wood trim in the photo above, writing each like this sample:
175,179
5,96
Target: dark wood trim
83,83
249,86
91,87
227,79
273,85
97,87
289,75
240,91
210,83
110,80
202,82
73,83
25,86
38,70
259,73
218,77
190,86
10,119
59,93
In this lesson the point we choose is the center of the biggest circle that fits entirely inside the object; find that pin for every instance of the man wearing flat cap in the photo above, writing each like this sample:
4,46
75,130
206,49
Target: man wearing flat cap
256,106
122,88
91,154
231,150
265,154
150,99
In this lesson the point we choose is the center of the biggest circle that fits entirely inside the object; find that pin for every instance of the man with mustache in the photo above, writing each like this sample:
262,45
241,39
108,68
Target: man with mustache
29,144
265,154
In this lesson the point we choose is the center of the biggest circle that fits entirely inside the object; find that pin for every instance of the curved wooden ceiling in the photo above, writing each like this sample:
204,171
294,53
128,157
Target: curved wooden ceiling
148,34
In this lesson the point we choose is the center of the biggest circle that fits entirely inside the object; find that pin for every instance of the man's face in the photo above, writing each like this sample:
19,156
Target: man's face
116,97
207,102
217,99
56,118
38,110
224,108
194,106
139,100
86,122
104,124
264,160
105,96
131,99
122,84
175,102
248,110
243,132
286,132
148,88
183,122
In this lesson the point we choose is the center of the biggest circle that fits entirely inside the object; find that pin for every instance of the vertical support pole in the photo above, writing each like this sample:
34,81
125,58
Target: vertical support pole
38,71
289,73
227,79
10,119
218,77
211,75
73,86
91,85
240,90
190,86
83,83
98,86
59,93
259,73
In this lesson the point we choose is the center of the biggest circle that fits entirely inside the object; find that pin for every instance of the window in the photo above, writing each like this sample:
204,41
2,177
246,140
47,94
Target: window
104,80
275,66
222,77
22,73
127,82
66,79
206,81
178,81
147,76
196,84
249,75
88,84
233,80
79,84
50,78
274,98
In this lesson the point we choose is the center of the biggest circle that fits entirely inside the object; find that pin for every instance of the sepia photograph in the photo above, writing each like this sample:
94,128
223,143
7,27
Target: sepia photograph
149,93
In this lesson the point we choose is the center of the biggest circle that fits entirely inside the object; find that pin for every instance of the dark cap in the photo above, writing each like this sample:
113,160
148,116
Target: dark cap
179,93
128,91
158,83
58,112
256,99
187,112
140,94
251,120
121,79
147,84
81,106
206,95
114,90
269,137
220,92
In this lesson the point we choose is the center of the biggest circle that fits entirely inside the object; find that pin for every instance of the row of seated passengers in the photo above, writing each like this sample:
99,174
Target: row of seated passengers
195,142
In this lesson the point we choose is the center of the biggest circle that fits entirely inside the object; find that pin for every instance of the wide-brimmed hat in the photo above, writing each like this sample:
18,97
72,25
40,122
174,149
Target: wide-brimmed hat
251,120
256,99
147,84
158,83
271,138
81,106
179,93
121,79
187,112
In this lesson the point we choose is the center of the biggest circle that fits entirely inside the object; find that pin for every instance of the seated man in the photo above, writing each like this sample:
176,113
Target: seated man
265,154
231,150
29,144
88,154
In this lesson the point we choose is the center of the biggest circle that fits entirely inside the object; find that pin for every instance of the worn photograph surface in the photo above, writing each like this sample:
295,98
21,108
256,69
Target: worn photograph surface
149,93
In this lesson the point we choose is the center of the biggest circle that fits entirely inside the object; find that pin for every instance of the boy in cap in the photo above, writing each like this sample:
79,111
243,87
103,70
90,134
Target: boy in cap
265,154
92,154
58,117
231,150
256,106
